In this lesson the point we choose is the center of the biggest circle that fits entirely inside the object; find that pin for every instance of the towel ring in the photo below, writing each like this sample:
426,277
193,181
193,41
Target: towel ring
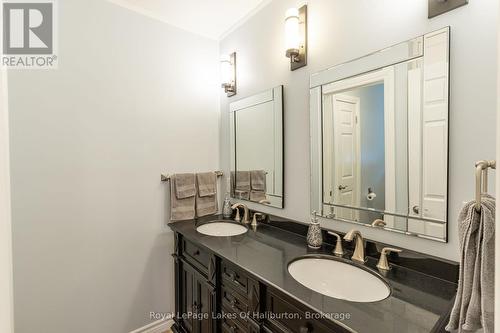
482,179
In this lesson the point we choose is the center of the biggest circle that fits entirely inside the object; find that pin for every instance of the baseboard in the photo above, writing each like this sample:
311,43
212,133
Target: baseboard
159,326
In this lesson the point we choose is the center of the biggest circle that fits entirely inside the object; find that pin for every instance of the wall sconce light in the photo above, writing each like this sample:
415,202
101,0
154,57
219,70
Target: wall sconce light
438,7
296,36
228,73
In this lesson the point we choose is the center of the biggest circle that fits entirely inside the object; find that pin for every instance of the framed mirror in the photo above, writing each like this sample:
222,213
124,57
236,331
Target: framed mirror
256,143
379,138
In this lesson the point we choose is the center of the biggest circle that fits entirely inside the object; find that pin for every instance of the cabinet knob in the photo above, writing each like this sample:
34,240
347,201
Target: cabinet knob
196,253
341,187
416,209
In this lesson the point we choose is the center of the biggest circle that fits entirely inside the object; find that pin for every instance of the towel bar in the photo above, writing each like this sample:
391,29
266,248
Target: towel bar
166,178
482,179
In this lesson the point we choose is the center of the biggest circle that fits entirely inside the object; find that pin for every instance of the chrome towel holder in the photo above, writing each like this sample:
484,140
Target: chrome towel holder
482,179
166,178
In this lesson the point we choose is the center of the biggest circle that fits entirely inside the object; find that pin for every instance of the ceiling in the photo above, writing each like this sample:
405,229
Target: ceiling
211,19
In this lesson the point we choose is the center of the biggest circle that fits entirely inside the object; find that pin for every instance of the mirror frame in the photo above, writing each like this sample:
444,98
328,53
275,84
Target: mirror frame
399,53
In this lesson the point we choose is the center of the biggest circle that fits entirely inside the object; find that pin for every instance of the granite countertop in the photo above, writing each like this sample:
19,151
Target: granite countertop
416,304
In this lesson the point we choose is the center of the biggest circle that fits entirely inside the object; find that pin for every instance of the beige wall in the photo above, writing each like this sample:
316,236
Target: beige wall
342,30
132,98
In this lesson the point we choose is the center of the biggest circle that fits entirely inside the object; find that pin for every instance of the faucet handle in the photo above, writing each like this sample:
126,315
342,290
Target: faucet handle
254,220
383,264
386,250
236,206
338,247
379,223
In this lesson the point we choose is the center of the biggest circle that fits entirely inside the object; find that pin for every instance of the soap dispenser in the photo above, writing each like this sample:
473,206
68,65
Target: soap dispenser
314,236
226,208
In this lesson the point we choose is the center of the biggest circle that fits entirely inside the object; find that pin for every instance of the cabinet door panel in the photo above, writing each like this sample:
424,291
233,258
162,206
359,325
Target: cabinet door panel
187,297
205,293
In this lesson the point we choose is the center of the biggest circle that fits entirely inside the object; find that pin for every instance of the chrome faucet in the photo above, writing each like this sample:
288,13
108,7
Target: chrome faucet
245,214
359,250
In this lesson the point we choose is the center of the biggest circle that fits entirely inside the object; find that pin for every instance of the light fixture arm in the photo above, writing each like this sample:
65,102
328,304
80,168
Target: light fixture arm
228,69
296,37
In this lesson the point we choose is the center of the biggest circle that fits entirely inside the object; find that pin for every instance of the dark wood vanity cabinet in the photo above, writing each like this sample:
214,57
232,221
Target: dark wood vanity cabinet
197,300
195,288
214,295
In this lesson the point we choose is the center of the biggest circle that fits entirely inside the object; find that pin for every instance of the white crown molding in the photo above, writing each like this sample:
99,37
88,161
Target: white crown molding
245,18
153,15
156,16
160,326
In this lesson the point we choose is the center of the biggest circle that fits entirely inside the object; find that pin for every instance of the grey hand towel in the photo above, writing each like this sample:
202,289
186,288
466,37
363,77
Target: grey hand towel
473,308
180,209
206,200
243,180
207,184
245,195
184,185
257,196
480,310
258,180
206,205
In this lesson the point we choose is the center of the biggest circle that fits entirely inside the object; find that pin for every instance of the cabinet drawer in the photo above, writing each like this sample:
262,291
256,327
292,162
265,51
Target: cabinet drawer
234,322
233,300
230,323
234,277
195,255
290,317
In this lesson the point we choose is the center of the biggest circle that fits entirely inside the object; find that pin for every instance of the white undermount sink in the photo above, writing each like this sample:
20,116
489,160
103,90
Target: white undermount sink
222,229
339,279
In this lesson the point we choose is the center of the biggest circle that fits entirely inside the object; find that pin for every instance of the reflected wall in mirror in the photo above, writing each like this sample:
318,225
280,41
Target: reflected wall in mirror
256,129
379,149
